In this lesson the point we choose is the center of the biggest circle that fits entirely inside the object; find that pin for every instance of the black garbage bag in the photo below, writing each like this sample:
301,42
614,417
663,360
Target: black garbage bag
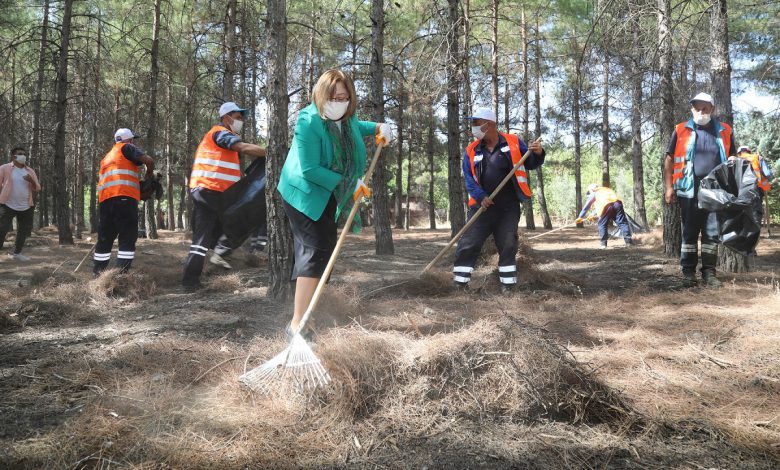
151,188
731,192
244,205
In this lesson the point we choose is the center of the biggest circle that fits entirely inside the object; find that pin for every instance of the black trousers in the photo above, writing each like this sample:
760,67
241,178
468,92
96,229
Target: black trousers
117,217
501,222
206,230
313,240
24,223
697,222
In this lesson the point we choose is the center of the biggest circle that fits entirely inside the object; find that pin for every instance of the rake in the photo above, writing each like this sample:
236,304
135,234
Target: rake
479,212
297,364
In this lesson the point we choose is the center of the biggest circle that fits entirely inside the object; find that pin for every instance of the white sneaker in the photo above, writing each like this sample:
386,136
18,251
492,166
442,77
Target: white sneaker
602,247
20,257
220,261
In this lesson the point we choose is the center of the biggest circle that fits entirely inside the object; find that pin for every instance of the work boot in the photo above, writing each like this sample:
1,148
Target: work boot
508,288
220,261
689,279
710,280
628,242
461,286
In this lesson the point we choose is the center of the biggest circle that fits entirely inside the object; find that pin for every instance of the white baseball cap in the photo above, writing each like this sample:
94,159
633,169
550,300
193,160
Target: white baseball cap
483,113
592,187
123,134
705,97
230,107
743,148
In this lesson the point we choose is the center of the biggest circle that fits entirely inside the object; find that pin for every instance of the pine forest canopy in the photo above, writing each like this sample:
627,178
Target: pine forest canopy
587,75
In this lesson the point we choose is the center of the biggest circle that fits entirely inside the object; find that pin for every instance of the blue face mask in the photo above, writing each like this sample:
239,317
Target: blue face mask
477,131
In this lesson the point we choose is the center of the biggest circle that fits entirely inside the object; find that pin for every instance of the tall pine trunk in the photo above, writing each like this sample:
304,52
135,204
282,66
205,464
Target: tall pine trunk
672,236
169,159
457,213
151,141
494,59
399,175
280,241
636,127
605,119
95,152
430,148
720,75
35,150
382,230
230,52
577,103
538,126
59,191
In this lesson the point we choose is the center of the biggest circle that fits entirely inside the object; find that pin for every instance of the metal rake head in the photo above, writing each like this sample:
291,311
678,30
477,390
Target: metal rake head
296,367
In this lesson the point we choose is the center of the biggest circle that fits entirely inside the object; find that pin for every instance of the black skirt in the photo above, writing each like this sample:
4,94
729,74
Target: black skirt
314,240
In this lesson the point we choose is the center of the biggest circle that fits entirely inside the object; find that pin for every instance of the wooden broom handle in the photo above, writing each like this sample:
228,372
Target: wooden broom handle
479,212
339,244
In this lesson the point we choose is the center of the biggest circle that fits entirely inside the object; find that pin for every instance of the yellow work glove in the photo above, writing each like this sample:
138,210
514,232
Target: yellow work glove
361,190
592,218
579,220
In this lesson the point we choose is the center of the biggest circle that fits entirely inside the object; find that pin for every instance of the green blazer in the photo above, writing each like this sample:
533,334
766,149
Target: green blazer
307,181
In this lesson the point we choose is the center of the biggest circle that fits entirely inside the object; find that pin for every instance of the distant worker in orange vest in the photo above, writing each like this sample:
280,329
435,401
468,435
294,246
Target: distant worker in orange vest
696,147
216,168
486,163
119,190
607,207
764,177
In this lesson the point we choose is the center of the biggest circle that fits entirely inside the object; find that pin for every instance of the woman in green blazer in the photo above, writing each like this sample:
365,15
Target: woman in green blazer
321,176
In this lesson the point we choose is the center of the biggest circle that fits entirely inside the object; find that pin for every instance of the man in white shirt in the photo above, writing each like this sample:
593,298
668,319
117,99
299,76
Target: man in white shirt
17,183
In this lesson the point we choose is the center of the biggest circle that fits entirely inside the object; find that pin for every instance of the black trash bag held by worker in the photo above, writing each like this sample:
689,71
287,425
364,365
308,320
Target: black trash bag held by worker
152,188
730,190
244,204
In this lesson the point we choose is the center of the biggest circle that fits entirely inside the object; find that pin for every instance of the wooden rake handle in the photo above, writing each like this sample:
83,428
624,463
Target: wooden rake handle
551,231
339,244
85,256
479,212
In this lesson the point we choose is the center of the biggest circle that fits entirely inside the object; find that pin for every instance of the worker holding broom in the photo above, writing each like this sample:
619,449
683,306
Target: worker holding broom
607,208
486,163
320,179
216,168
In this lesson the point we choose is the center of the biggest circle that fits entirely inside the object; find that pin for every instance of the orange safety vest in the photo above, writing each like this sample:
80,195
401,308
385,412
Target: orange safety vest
118,176
513,146
755,162
604,197
214,168
684,140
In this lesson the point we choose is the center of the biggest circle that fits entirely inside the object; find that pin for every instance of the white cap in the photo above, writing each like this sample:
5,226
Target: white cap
703,97
483,113
230,107
743,148
592,187
123,134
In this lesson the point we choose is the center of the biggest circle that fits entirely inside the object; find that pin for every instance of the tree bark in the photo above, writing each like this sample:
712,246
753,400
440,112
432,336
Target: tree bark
466,71
399,175
636,127
672,237
494,59
280,241
169,159
720,75
382,230
230,52
605,121
577,138
151,140
35,150
59,191
538,126
431,149
95,152
454,172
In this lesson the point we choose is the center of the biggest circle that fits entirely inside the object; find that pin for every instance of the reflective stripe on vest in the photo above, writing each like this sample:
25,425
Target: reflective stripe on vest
214,168
682,169
604,197
755,162
118,176
513,147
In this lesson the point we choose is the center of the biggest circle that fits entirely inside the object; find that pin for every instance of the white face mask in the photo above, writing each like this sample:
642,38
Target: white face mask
237,126
700,118
21,159
335,110
478,132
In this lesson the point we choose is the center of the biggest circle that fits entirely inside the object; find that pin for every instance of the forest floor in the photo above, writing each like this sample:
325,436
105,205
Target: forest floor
601,359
